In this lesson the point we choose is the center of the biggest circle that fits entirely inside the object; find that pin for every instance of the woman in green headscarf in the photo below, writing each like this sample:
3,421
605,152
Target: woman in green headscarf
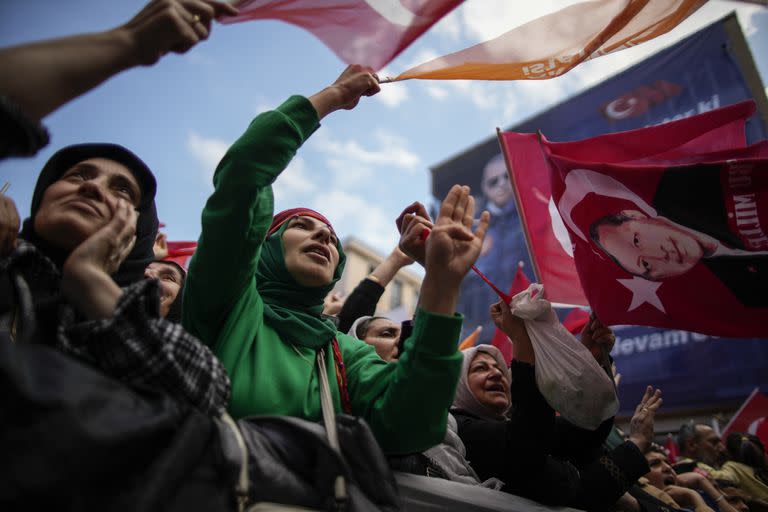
256,285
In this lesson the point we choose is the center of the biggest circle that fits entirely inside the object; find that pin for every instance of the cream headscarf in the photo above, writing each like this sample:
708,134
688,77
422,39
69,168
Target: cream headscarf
464,398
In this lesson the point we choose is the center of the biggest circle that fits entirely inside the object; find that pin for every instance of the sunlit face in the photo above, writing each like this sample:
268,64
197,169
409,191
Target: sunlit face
654,248
170,279
383,334
488,382
709,449
496,185
83,200
661,474
310,251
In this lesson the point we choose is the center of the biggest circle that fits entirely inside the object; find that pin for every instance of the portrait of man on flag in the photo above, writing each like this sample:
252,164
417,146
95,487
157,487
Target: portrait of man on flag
667,222
689,222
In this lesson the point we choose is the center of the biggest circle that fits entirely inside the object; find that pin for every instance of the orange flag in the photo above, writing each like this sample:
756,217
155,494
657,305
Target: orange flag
470,340
556,43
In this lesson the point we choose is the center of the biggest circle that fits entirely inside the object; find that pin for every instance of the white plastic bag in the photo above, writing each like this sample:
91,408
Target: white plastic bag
567,375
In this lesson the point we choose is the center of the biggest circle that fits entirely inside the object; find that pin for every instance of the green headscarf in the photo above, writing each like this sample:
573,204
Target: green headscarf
293,310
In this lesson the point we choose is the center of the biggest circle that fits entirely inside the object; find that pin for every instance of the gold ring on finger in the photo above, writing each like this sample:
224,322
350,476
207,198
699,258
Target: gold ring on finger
195,19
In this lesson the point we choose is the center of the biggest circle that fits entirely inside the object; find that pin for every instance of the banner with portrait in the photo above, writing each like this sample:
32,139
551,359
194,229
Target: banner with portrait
669,224
707,70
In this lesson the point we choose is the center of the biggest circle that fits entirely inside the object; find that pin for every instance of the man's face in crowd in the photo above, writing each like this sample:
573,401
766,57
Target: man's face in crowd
654,248
496,185
661,474
708,447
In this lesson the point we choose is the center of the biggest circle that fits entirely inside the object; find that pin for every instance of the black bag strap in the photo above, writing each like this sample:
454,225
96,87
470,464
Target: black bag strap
243,484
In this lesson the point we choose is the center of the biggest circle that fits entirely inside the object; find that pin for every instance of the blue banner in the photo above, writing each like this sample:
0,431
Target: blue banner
698,74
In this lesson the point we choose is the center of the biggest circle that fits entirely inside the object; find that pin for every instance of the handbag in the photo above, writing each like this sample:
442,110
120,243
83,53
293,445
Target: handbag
290,464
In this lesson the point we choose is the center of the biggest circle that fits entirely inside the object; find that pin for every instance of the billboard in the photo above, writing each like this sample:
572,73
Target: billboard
707,70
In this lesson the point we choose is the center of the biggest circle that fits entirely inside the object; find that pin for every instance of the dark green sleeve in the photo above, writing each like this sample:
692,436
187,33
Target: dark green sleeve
406,403
238,213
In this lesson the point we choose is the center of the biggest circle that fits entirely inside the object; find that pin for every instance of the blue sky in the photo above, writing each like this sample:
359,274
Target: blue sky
362,166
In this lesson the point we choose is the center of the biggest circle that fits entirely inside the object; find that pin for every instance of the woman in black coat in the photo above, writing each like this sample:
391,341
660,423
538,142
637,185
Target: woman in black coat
511,433
74,279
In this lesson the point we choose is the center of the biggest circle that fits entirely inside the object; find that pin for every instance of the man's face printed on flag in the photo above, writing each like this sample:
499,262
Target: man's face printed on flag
496,185
651,247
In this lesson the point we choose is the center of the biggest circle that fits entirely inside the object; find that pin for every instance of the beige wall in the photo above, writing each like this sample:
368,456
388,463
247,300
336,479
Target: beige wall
361,260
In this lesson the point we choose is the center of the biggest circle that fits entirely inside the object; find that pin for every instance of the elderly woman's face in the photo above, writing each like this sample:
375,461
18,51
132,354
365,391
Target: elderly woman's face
488,382
83,200
309,247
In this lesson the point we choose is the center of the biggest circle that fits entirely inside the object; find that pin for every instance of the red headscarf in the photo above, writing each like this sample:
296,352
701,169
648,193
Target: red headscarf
286,215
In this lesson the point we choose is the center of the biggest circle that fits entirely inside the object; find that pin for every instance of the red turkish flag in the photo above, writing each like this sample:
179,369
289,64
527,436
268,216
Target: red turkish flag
576,320
368,32
501,340
548,242
669,223
673,452
751,418
181,253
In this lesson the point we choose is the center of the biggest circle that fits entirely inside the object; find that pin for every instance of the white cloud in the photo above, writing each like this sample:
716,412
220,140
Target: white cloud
392,94
491,18
208,152
449,27
348,173
353,214
436,91
424,55
294,181
392,150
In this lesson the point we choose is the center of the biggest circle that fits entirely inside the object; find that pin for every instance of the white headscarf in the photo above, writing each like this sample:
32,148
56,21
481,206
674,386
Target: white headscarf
464,398
353,329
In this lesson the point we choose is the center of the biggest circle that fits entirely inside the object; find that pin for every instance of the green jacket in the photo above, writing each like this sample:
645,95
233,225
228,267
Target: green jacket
405,403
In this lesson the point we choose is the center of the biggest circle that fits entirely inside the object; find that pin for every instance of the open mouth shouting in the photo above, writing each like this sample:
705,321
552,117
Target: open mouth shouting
319,252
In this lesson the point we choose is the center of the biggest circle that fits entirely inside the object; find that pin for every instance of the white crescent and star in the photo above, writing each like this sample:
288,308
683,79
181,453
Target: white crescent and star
643,291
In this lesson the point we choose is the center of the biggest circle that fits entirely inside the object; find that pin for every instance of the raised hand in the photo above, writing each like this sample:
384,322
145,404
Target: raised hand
412,223
687,498
451,250
108,247
514,327
345,93
641,424
333,303
9,226
505,321
86,280
598,338
164,26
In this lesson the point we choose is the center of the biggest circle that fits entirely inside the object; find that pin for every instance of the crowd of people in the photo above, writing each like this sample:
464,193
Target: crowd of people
118,363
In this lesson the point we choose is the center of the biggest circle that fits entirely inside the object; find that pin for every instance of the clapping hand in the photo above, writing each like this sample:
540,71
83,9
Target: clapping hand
86,280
